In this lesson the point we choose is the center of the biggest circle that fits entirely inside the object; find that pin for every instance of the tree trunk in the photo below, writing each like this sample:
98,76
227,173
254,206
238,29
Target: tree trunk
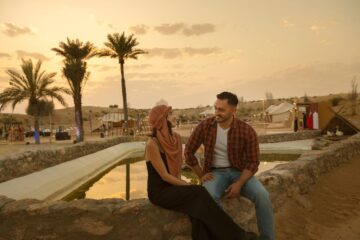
353,107
36,132
79,119
123,88
127,195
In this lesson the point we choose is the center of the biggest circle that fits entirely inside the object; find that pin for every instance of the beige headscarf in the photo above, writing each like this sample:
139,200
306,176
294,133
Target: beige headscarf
170,143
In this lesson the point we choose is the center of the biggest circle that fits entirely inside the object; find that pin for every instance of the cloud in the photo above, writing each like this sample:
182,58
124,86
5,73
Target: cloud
164,76
287,24
92,17
199,29
169,29
13,30
111,26
151,76
201,51
106,24
139,29
325,42
168,53
317,28
23,54
4,55
187,30
140,66
314,79
102,68
171,53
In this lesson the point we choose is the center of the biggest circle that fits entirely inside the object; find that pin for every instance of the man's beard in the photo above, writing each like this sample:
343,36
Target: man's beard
219,119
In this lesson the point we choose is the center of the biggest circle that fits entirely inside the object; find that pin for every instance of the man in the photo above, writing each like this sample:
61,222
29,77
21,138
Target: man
231,160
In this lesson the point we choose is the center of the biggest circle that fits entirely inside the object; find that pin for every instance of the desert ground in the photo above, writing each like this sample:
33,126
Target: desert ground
330,211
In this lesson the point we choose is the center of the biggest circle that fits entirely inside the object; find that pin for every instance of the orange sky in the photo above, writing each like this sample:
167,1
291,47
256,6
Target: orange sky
197,48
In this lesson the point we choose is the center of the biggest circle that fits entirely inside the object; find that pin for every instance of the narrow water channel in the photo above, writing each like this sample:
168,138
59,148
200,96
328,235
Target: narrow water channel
112,184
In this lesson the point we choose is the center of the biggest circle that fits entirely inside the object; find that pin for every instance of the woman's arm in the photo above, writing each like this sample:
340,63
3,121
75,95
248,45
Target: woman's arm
153,154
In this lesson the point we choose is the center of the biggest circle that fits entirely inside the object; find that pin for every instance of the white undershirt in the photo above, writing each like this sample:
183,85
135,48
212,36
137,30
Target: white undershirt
220,151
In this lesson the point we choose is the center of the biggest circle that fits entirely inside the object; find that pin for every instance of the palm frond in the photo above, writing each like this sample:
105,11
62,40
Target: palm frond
32,85
121,46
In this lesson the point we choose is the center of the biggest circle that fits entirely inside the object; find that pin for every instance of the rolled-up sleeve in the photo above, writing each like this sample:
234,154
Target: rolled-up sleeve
252,151
193,144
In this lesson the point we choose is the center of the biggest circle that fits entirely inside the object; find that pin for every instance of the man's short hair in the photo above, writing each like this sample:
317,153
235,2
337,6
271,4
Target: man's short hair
230,97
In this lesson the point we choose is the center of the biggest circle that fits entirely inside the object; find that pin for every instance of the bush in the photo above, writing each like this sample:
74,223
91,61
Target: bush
335,101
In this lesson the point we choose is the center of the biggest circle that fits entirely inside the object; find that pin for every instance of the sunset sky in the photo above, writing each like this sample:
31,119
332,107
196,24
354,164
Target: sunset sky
197,48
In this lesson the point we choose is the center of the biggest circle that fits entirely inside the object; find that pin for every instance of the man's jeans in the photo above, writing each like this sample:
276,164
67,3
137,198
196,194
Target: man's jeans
252,190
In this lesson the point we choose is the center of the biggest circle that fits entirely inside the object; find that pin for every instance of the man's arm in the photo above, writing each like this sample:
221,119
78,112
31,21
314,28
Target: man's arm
252,157
193,144
235,188
252,151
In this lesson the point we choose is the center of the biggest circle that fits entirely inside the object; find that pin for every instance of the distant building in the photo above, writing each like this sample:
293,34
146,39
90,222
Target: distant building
207,113
281,112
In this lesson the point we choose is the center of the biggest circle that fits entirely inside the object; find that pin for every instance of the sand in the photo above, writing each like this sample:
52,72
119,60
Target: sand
331,210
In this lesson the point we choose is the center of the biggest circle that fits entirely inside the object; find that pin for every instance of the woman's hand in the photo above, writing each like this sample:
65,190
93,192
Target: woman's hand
186,183
207,177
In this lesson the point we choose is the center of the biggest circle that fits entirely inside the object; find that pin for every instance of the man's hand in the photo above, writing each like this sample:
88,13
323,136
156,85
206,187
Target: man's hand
233,190
207,177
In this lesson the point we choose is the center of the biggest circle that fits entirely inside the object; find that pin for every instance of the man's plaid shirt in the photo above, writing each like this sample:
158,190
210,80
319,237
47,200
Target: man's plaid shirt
242,145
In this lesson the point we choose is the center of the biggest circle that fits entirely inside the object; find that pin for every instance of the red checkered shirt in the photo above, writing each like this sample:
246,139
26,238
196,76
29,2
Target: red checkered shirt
242,145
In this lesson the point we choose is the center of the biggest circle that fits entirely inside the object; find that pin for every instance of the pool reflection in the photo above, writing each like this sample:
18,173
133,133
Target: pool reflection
113,183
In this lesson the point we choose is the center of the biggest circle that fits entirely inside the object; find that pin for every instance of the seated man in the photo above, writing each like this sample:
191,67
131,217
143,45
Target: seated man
231,160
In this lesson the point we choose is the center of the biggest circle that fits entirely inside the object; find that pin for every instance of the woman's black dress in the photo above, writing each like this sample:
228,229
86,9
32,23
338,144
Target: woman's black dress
208,220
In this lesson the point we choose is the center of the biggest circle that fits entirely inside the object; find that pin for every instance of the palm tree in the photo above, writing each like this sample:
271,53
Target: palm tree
75,71
122,47
34,86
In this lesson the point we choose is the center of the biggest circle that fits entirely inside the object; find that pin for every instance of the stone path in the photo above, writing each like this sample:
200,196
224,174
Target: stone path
56,182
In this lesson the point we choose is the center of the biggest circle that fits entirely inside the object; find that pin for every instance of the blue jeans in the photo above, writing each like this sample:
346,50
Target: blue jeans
252,190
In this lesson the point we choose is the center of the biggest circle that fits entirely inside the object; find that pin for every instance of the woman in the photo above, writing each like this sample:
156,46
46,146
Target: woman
166,189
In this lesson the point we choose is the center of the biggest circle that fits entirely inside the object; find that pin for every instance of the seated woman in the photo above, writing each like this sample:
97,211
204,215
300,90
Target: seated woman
166,189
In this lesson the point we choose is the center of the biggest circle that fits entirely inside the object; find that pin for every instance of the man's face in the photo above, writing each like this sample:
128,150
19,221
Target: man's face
223,111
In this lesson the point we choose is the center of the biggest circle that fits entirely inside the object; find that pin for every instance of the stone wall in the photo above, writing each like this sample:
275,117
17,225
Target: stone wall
17,165
138,219
284,137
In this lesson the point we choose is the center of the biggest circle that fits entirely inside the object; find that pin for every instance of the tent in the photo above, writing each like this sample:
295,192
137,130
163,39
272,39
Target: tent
281,112
113,117
207,112
337,122
115,120
270,108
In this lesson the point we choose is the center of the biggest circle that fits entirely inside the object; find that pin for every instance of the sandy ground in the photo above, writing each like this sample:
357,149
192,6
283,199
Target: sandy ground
330,211
8,148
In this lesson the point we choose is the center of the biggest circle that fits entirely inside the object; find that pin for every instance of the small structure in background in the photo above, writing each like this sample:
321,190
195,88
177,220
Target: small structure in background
339,126
280,113
11,129
61,134
111,122
16,133
207,113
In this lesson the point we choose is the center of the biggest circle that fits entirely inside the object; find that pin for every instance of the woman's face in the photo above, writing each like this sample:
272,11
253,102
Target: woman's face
171,118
